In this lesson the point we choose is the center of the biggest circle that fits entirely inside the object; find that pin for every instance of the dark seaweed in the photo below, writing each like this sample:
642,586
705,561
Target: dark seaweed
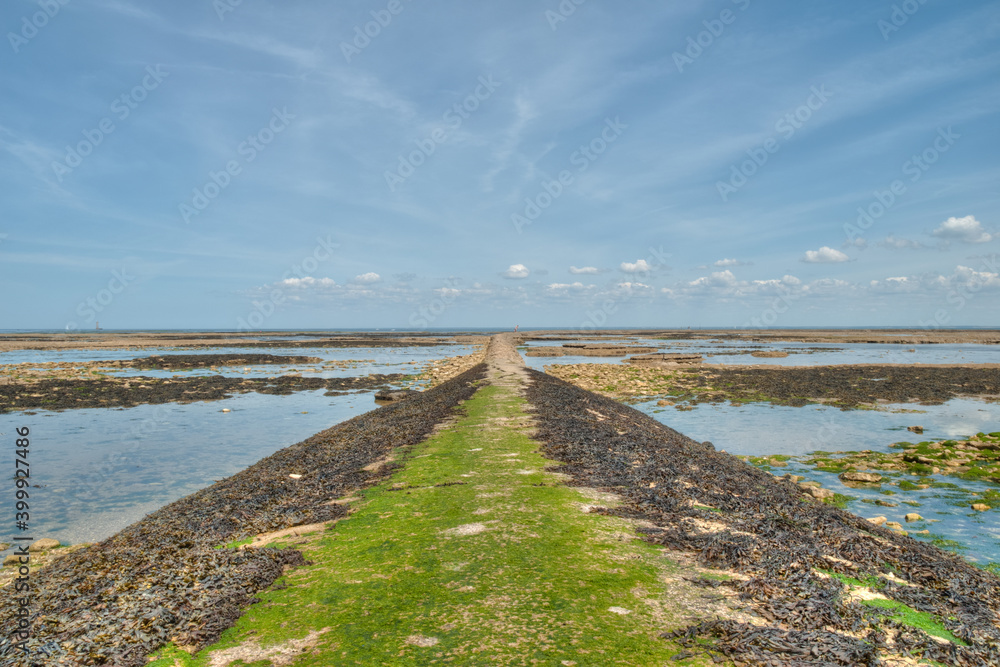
108,393
773,534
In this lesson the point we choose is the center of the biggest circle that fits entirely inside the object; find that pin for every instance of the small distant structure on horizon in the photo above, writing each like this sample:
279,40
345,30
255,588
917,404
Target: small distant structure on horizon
97,326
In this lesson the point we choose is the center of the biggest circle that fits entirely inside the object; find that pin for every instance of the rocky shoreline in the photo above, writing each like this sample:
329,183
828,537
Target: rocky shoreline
850,386
164,579
99,340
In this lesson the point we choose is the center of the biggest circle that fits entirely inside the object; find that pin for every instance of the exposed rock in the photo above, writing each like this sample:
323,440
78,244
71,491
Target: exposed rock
980,507
664,358
769,354
391,395
816,492
915,429
863,477
44,544
878,520
913,516
894,525
984,445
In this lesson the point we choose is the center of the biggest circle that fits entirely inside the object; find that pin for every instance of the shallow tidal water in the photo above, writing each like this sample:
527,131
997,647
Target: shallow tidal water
99,470
762,429
102,469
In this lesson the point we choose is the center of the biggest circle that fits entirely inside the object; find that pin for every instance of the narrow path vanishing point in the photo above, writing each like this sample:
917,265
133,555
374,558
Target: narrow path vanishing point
471,554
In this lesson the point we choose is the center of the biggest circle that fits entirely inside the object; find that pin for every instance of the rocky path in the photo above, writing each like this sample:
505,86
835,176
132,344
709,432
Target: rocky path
471,554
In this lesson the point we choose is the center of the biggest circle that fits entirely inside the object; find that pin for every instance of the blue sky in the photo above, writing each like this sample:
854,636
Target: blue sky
263,164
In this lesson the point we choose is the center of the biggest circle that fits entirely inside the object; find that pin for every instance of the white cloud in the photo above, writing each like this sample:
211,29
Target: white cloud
516,272
965,276
967,229
717,279
308,281
586,270
367,278
641,266
577,286
723,263
895,284
899,244
825,255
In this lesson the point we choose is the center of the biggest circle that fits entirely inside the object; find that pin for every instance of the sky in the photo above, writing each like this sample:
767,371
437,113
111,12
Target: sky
420,164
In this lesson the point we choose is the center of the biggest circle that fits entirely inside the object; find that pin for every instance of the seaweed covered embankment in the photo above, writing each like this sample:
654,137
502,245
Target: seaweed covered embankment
798,555
165,579
129,392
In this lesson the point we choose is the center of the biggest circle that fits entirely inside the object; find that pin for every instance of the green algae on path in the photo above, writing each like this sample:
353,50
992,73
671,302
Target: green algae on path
471,554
